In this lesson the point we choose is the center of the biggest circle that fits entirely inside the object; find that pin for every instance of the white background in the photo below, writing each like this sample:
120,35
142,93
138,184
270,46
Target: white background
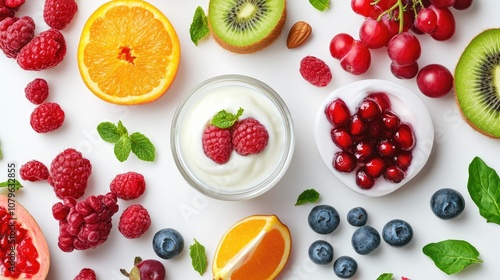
172,203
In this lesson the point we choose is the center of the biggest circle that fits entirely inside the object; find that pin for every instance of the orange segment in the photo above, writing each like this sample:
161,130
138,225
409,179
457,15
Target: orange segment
255,248
128,52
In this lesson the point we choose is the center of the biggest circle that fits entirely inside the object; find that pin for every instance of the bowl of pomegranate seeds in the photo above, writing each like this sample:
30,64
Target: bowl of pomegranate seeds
374,135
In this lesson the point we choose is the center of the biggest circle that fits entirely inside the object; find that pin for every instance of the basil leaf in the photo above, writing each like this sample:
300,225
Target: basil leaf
142,147
320,5
309,195
224,119
484,188
385,276
108,132
122,148
199,26
198,257
452,256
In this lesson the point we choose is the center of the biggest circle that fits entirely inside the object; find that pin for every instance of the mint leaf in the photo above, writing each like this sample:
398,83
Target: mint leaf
385,276
320,5
11,184
452,256
108,132
224,119
198,257
142,147
484,188
121,129
122,148
199,26
309,195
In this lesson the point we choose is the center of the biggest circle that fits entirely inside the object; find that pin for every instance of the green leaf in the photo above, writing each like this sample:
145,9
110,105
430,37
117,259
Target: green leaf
320,5
11,184
108,132
122,148
307,196
142,147
484,188
224,119
452,256
122,130
198,257
385,276
199,27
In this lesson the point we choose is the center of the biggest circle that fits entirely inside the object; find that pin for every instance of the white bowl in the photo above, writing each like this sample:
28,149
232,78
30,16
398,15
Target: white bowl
405,103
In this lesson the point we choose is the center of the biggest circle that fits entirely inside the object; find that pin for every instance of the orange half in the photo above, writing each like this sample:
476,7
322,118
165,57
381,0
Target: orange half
255,248
128,53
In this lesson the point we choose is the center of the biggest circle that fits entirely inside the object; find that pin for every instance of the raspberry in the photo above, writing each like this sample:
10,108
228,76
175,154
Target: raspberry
5,10
37,91
69,173
217,144
86,274
15,33
249,137
33,171
59,13
134,221
14,4
315,71
128,186
47,117
44,51
84,224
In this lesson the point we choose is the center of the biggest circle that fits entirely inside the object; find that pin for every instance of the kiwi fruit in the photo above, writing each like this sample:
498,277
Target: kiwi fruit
477,83
246,26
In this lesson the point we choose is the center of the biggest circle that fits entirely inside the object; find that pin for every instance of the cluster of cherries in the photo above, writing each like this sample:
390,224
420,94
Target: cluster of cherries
373,141
394,24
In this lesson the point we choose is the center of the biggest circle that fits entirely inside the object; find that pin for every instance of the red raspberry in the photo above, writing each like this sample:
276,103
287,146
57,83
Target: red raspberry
84,224
33,171
47,117
15,33
128,186
69,173
134,221
249,137
14,4
44,51
86,274
217,144
315,71
6,11
37,91
59,13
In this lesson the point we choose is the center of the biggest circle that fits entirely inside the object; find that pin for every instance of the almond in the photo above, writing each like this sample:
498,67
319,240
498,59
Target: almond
298,34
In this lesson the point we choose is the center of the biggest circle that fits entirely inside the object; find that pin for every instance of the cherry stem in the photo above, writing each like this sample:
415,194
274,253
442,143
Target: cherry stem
401,8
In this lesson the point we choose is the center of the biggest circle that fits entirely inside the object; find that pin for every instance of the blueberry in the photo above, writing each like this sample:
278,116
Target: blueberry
397,233
365,240
357,216
323,219
168,243
321,252
345,267
447,203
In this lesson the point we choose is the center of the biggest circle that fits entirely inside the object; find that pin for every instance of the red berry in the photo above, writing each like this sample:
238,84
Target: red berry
249,136
368,110
15,33
426,20
34,170
86,274
445,27
128,186
217,144
338,113
69,173
59,13
363,180
375,167
14,4
404,49
44,51
357,60
37,91
404,72
390,120
443,3
387,148
404,137
315,71
363,150
47,117
374,33
394,174
435,80
344,161
342,138
358,127
403,160
381,99
340,45
462,4
134,221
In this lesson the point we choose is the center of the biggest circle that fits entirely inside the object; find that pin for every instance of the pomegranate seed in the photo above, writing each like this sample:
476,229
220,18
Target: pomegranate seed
363,180
394,174
358,126
390,120
381,99
387,148
337,113
403,160
344,161
363,150
375,167
368,110
404,137
342,138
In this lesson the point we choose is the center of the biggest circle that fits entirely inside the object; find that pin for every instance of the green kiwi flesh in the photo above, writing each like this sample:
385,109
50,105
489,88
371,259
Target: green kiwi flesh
245,26
477,83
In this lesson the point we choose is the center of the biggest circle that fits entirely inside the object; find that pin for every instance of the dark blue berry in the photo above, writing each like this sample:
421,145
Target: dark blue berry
397,233
357,216
321,252
323,219
168,243
447,203
365,240
345,267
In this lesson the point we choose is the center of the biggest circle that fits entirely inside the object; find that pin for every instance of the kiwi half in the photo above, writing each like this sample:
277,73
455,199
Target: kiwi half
246,26
477,83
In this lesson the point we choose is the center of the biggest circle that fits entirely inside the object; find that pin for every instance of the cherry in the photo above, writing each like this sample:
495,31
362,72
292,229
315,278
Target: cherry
365,8
374,33
363,180
404,72
426,20
404,49
375,167
357,60
337,113
445,27
146,269
404,137
344,161
342,138
434,80
340,45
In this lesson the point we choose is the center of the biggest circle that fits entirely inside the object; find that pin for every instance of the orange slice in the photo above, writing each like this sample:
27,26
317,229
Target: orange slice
128,53
255,248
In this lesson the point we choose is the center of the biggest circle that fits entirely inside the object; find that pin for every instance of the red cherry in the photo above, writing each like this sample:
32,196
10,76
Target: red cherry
340,45
357,60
